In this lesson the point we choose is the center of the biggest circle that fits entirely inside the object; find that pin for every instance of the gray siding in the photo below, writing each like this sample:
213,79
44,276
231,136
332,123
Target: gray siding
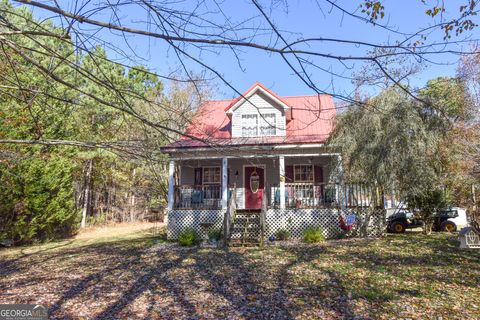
272,171
258,103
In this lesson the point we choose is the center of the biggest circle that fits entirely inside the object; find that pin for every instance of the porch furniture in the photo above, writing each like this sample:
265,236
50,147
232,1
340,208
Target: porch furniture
190,197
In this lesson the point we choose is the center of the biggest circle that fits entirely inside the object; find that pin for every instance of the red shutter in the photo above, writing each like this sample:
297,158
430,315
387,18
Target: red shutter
318,176
318,173
288,174
198,176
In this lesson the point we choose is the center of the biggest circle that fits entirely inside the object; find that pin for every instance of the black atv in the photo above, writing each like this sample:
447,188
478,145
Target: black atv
402,220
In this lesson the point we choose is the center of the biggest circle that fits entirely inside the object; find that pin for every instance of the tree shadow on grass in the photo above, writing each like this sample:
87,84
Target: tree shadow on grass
244,285
147,280
236,286
340,305
4,265
233,282
238,283
127,276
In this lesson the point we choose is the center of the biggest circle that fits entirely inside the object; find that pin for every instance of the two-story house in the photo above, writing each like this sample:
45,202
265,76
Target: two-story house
257,145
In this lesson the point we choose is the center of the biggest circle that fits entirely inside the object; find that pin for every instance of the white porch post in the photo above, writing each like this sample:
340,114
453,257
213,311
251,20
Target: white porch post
281,165
224,182
171,183
340,194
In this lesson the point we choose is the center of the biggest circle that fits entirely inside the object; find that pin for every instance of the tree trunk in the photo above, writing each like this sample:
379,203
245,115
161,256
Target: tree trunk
86,198
427,223
132,198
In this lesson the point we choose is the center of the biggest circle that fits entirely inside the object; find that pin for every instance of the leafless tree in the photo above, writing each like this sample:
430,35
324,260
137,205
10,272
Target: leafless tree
191,30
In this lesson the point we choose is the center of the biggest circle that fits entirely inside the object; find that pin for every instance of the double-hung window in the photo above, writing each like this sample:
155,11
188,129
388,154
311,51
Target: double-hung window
249,125
254,125
268,124
303,173
211,175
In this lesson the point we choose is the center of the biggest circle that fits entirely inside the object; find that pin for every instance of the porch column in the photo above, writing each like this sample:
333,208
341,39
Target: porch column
171,183
340,192
224,182
281,165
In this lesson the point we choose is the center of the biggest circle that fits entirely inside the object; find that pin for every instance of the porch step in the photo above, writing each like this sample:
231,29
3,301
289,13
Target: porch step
246,228
248,210
239,243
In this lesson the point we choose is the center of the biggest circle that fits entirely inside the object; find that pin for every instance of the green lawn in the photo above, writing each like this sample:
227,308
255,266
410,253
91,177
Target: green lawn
138,276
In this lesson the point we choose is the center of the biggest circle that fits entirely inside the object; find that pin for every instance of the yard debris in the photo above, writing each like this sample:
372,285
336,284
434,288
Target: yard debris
406,275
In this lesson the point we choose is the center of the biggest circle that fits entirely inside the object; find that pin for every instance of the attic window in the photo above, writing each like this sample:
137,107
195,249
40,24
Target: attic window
249,125
268,124
254,125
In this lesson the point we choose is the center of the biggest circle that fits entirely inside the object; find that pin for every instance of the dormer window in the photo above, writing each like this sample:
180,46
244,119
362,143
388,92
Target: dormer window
249,125
254,125
268,124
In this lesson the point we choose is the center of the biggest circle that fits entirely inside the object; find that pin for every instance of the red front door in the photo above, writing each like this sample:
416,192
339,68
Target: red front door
254,187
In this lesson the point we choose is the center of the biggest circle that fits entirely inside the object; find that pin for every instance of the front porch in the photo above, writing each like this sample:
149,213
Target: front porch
300,191
286,181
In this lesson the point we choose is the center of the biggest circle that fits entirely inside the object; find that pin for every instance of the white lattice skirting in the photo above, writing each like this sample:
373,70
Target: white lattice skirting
295,221
181,219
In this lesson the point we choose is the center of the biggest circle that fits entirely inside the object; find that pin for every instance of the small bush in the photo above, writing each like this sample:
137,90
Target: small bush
282,235
215,234
188,238
313,235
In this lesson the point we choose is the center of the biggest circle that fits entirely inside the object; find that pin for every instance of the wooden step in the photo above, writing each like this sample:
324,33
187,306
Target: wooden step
250,227
245,228
244,244
248,210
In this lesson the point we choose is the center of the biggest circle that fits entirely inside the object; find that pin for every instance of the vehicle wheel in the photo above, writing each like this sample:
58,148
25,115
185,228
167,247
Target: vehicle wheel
448,226
398,227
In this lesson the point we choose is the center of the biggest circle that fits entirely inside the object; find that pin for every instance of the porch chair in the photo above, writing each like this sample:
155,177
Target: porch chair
197,197
277,196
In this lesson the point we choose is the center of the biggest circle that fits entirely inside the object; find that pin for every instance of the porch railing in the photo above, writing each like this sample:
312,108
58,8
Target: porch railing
198,197
297,195
315,195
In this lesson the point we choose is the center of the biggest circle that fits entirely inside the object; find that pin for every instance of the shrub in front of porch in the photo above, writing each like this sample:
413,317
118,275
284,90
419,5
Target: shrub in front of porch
215,234
188,238
313,235
282,235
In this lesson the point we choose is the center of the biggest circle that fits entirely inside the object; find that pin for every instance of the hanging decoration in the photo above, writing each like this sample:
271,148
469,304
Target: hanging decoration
254,181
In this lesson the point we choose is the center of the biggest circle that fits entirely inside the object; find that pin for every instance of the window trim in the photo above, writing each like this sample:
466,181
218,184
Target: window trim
304,181
211,183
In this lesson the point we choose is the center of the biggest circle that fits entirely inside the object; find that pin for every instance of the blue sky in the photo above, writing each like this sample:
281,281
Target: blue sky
300,18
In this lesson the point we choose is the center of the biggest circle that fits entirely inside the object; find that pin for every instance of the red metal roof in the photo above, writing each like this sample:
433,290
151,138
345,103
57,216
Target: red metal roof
311,122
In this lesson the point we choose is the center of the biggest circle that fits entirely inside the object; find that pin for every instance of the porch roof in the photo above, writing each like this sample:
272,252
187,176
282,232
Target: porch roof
246,141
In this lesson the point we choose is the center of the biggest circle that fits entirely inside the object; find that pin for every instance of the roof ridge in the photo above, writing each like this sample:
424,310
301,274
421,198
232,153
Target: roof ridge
299,96
210,100
307,95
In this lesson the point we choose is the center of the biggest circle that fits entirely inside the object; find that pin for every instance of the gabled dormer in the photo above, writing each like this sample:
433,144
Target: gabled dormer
258,113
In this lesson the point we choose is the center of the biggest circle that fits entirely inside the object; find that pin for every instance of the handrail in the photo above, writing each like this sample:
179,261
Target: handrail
229,216
475,223
263,218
